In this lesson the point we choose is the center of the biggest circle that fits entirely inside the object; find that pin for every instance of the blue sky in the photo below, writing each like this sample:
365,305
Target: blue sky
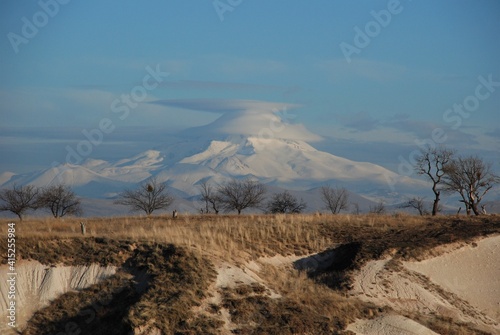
396,89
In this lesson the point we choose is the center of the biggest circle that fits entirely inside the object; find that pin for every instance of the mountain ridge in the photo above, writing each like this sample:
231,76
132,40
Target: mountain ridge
249,142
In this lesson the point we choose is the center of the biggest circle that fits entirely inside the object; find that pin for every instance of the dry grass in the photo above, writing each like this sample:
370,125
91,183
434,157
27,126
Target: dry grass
306,307
249,235
298,287
222,236
157,288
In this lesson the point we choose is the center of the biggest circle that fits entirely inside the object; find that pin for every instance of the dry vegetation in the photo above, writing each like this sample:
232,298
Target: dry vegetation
157,289
168,267
251,236
305,306
229,237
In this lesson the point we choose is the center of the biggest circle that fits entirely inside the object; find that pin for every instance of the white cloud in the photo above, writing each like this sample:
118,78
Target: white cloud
224,106
246,117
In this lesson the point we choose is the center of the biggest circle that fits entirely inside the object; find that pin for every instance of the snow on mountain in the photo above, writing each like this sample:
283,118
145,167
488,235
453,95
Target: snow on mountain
74,175
134,169
295,164
186,177
6,176
85,181
250,139
146,159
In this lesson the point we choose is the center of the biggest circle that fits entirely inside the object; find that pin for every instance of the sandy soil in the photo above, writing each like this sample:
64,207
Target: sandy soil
38,284
472,273
231,276
406,287
462,284
460,281
389,325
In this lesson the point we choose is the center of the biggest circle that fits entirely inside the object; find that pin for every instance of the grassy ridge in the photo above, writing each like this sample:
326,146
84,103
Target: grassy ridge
248,237
167,269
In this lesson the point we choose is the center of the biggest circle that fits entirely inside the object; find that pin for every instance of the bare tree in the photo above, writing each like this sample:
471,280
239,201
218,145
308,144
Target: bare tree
240,194
60,200
150,196
472,178
417,203
379,208
19,199
285,203
355,209
432,163
211,198
335,199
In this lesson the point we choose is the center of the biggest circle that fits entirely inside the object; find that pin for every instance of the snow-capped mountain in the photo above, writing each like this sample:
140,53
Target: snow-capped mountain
248,140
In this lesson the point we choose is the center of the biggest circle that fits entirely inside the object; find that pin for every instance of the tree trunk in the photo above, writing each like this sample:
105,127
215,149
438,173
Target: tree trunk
474,208
435,206
214,208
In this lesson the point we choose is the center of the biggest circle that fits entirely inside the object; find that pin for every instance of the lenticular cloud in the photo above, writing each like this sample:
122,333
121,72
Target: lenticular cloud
246,117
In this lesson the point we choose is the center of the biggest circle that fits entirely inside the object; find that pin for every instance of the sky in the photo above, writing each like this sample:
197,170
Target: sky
375,79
